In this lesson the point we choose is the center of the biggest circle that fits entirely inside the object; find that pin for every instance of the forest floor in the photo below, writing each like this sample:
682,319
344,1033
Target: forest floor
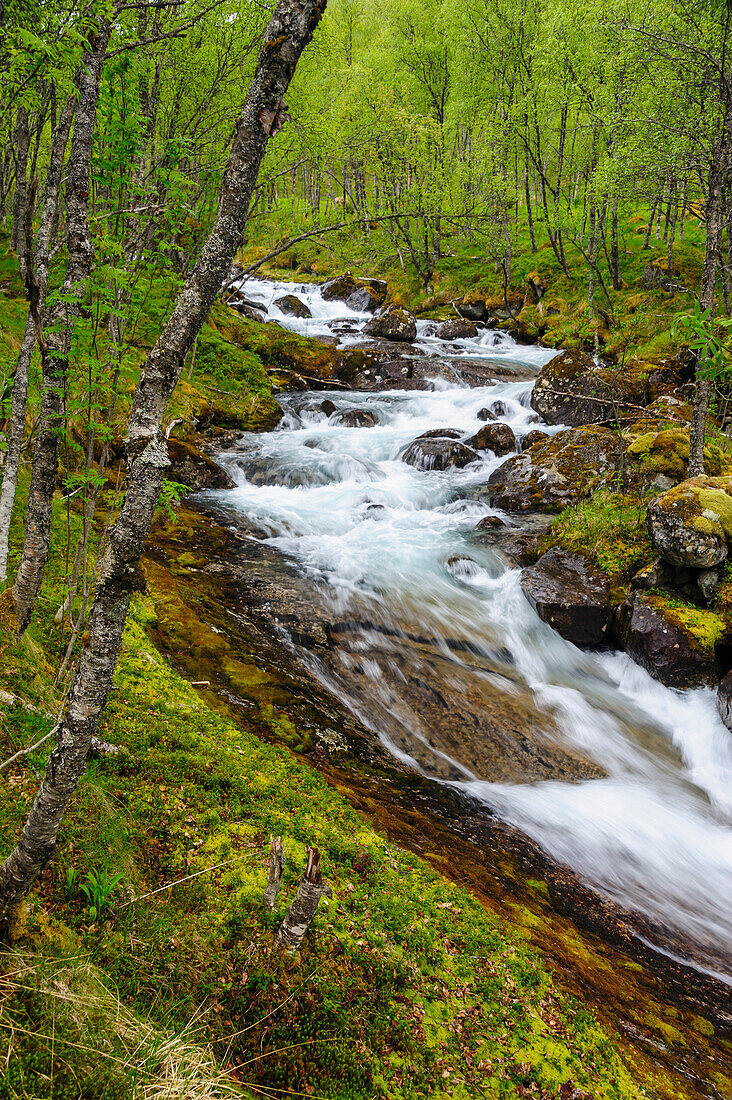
408,985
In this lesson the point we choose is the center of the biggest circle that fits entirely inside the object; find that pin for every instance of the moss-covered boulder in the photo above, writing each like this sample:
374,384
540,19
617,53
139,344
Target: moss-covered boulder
557,471
690,525
363,295
393,323
573,389
193,468
674,642
293,306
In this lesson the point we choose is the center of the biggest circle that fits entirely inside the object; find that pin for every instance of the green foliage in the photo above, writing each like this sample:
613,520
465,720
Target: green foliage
172,493
98,889
709,337
609,529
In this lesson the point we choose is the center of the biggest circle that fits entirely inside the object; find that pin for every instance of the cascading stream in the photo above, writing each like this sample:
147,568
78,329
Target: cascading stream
627,782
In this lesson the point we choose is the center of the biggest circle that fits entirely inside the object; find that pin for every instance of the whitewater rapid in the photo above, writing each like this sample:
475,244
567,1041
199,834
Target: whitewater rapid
654,830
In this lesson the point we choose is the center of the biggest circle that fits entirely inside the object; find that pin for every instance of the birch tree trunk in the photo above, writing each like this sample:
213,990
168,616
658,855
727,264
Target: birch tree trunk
714,224
16,429
22,148
289,32
61,318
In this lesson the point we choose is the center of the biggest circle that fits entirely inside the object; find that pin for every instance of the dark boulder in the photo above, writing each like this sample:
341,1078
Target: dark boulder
661,646
570,595
457,330
441,433
724,700
338,289
532,437
486,414
439,454
497,437
362,295
490,523
293,306
499,408
355,418
393,323
193,468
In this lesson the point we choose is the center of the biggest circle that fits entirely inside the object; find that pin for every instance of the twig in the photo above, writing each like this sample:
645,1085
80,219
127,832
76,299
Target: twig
25,752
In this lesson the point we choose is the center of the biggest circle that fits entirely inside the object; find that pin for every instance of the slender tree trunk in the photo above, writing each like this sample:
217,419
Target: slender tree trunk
22,148
649,227
614,249
528,208
61,319
289,32
16,430
712,255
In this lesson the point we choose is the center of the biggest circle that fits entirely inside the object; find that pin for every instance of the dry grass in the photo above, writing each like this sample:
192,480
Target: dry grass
86,1019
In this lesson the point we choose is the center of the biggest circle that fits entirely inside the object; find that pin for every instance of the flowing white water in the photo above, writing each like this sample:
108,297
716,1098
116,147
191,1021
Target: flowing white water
655,832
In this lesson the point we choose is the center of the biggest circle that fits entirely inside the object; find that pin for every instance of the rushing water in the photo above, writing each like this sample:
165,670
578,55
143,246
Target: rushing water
391,549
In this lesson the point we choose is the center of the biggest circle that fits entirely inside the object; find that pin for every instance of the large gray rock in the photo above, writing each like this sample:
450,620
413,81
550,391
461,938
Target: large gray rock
457,330
364,295
687,524
439,454
393,323
570,595
661,647
573,389
355,418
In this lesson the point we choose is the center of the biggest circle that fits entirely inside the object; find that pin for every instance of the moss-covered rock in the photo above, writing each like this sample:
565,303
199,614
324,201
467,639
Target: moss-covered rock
674,642
556,471
573,389
691,524
393,323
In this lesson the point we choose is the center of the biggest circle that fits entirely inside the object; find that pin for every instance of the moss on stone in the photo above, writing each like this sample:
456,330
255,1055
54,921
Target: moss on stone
703,628
717,505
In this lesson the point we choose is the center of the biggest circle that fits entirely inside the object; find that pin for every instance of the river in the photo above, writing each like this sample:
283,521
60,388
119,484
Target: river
435,647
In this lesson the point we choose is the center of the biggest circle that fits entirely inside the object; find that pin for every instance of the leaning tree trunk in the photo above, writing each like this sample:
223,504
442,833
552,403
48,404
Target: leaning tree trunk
289,32
16,429
713,220
60,320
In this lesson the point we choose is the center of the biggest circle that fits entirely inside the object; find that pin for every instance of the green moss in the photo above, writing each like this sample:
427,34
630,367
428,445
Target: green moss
719,504
704,628
610,530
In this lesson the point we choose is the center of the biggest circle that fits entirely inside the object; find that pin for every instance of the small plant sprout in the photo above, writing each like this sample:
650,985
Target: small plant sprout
98,889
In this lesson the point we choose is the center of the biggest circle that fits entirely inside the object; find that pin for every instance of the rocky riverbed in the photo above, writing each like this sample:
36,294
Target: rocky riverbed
379,530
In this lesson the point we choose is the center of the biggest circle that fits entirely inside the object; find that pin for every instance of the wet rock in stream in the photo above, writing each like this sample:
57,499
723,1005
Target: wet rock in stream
572,596
439,454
